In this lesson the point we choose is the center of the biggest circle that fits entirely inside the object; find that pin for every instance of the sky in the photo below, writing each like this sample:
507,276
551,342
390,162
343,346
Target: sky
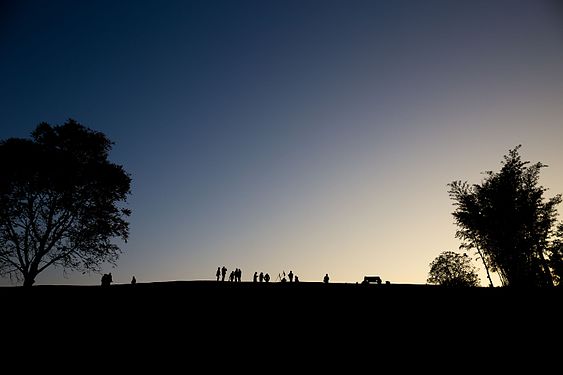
312,136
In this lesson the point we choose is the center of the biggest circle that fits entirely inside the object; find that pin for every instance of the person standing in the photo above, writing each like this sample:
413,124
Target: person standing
218,273
326,279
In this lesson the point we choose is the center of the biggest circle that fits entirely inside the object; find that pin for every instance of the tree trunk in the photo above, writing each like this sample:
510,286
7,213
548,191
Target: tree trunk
29,276
485,264
548,277
28,281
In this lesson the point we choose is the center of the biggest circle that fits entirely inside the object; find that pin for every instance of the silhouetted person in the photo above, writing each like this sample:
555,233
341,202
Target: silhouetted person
261,276
107,279
223,273
296,278
290,275
218,273
266,277
232,276
326,279
133,280
255,278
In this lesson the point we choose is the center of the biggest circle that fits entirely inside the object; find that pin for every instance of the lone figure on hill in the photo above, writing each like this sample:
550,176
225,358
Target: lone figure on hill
326,279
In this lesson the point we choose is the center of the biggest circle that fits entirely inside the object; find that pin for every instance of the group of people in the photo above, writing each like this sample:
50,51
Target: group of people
290,276
235,275
262,277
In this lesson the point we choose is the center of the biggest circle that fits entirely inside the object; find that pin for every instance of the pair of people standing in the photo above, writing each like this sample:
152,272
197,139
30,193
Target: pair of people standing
221,273
107,279
262,277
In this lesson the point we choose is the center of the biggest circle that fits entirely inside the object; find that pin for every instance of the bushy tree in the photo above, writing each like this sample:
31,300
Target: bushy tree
453,269
61,201
555,254
508,222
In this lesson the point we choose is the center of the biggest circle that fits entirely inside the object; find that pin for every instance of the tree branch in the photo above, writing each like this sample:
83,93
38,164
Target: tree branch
55,259
15,239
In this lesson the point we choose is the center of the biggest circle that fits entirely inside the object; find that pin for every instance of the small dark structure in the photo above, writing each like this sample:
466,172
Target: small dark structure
372,280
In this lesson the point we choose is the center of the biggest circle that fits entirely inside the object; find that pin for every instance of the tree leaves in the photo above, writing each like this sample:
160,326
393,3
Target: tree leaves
508,221
60,201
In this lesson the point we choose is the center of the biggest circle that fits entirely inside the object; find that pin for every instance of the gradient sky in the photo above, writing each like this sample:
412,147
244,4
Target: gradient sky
313,136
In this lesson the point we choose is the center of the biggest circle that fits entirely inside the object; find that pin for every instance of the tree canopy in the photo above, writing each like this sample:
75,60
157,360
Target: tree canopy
62,202
453,269
507,220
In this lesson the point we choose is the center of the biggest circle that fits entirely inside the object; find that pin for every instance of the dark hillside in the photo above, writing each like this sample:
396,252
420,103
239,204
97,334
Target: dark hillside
280,320
208,299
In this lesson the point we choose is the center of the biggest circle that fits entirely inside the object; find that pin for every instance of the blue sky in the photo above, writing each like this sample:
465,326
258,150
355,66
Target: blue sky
313,136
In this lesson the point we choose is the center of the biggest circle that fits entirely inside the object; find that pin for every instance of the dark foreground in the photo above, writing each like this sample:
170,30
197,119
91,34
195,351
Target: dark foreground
284,322
336,303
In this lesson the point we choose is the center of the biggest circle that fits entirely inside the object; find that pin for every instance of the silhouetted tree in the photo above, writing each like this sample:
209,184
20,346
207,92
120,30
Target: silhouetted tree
556,256
453,269
506,220
60,202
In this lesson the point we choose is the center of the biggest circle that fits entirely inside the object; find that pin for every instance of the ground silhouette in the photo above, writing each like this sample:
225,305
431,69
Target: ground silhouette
333,300
284,321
